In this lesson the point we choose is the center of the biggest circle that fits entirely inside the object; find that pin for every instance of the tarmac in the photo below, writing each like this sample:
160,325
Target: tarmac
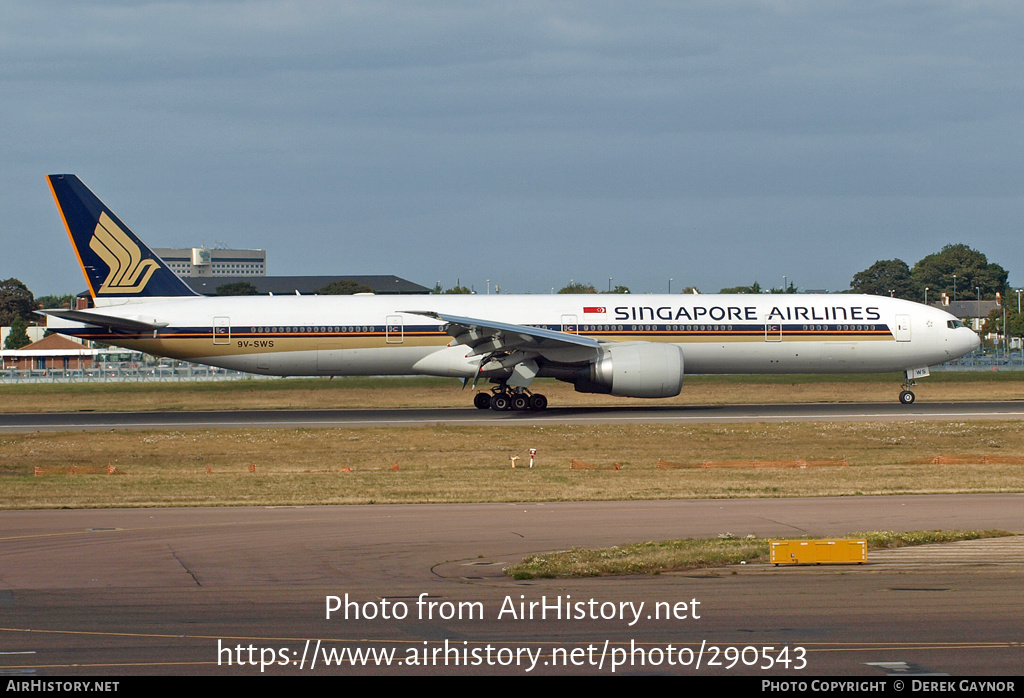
419,590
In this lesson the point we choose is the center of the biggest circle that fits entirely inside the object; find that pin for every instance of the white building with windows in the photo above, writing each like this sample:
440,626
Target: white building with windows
203,261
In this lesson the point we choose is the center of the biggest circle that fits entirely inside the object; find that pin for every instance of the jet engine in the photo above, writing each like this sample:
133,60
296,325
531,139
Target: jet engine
639,369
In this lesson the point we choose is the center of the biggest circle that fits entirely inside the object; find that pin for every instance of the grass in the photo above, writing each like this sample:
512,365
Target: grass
359,393
689,554
471,464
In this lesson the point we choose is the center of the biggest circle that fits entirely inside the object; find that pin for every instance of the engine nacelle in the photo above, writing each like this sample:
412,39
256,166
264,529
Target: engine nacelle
640,369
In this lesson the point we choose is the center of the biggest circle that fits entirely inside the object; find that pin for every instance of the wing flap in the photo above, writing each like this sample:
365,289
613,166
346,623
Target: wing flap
486,336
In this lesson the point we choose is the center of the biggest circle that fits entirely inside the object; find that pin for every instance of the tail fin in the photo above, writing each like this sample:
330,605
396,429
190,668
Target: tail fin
116,263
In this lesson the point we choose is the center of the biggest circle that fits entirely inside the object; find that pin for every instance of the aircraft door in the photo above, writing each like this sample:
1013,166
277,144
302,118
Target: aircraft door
569,324
394,330
772,331
902,328
221,330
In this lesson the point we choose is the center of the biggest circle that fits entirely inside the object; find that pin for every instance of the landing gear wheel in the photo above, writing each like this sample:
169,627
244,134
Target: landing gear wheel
500,402
481,401
538,402
520,402
907,397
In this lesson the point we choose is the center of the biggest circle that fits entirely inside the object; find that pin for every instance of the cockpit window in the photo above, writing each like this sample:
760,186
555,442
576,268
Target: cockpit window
953,324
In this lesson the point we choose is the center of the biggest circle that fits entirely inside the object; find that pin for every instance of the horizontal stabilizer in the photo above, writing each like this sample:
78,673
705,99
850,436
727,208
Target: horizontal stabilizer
98,320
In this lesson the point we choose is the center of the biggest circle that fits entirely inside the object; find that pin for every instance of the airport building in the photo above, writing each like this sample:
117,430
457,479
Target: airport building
380,284
206,270
34,332
194,262
55,352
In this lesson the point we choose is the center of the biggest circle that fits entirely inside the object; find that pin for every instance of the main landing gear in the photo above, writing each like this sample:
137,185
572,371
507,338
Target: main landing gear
502,399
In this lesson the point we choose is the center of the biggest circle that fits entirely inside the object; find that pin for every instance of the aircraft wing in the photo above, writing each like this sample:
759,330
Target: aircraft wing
492,337
99,320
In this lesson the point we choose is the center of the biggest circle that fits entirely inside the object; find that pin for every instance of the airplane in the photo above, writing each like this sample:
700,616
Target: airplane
624,345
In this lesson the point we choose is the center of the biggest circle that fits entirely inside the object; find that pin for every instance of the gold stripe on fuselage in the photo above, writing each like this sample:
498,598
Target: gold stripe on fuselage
187,346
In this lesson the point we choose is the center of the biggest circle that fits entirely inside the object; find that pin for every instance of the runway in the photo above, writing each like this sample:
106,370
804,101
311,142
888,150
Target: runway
245,591
640,414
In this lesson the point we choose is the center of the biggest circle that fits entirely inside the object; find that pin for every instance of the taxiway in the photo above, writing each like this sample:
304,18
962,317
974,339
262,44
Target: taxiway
639,414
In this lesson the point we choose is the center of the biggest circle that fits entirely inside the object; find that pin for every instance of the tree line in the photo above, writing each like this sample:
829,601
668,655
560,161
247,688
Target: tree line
956,270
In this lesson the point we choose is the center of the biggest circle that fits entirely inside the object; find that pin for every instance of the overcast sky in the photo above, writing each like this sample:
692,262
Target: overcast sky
714,143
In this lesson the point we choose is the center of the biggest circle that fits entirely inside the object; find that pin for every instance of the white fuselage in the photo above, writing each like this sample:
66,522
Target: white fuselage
384,335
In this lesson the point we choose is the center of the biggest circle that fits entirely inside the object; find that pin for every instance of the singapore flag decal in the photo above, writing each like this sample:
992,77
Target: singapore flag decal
594,309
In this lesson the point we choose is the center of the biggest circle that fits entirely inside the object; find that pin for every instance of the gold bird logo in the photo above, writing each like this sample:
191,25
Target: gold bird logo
129,272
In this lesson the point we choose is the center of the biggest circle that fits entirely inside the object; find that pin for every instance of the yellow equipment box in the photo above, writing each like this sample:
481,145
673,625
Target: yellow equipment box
817,552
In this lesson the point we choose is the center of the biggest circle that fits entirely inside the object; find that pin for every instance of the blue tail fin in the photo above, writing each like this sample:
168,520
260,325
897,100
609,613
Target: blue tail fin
116,263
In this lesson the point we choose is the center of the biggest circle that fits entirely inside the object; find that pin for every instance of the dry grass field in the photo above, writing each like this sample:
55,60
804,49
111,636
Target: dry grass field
471,464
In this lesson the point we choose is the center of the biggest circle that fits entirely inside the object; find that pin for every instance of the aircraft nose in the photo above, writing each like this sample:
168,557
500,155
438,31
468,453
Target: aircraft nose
973,342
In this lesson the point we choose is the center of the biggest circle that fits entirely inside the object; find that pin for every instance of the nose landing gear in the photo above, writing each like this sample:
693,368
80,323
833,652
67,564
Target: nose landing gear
906,396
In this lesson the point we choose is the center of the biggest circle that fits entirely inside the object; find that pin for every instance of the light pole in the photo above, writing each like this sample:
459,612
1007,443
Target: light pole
488,287
954,288
977,302
670,287
1006,344
1018,311
926,295
783,283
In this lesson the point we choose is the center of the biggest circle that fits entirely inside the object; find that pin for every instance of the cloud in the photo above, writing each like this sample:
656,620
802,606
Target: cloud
512,131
